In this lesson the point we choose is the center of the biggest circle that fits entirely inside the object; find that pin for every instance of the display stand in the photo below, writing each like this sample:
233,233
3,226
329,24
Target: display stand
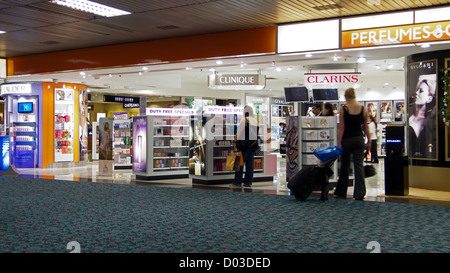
160,147
316,132
212,141
279,112
64,125
95,140
122,142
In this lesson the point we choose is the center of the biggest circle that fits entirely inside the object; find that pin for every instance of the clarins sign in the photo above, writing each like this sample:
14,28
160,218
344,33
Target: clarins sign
237,81
332,78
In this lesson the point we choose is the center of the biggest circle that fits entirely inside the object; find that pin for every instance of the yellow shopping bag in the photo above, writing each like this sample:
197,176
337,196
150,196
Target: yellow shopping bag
231,160
234,161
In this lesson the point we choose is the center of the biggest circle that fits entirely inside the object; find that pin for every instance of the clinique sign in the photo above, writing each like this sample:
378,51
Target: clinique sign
237,81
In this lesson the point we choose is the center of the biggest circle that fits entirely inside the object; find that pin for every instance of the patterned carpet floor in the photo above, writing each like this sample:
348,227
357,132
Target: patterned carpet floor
43,216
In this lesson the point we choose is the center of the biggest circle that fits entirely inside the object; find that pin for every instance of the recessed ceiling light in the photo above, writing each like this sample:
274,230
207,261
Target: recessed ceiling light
82,73
335,58
219,62
308,55
212,69
390,66
425,45
91,7
188,68
278,69
361,60
2,31
145,68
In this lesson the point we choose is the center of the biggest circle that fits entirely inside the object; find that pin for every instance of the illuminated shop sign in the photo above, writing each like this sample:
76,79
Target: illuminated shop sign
332,78
109,98
415,33
16,89
223,110
131,105
237,81
170,112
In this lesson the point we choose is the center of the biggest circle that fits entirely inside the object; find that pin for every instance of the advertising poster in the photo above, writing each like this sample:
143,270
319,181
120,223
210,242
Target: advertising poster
399,111
105,139
292,166
197,156
4,142
140,144
447,128
372,109
386,111
83,124
422,104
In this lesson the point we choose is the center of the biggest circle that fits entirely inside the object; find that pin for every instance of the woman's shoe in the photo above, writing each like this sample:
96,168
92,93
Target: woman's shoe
234,186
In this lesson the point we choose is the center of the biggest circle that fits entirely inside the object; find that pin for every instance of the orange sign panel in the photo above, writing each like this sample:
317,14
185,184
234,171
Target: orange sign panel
416,33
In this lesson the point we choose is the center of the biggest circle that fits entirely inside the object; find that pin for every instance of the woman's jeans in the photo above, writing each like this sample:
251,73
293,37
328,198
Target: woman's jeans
353,146
248,156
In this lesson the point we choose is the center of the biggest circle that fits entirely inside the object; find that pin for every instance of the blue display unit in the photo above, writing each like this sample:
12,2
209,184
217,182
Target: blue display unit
4,141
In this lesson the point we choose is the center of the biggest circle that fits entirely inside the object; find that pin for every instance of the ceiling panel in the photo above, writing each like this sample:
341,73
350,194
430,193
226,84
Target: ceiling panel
62,28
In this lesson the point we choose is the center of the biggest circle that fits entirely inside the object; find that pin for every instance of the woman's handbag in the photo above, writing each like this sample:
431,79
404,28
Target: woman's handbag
369,170
327,153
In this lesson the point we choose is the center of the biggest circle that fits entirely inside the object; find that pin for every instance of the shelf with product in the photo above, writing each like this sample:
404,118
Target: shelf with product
122,143
24,143
212,136
64,125
167,139
304,135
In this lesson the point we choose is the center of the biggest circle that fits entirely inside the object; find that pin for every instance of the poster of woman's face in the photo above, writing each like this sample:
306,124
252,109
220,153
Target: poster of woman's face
422,120
372,109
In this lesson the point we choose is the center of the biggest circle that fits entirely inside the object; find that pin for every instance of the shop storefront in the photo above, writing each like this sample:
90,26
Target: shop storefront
425,138
46,123
338,37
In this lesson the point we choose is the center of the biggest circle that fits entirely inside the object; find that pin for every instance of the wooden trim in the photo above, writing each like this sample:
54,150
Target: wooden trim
199,47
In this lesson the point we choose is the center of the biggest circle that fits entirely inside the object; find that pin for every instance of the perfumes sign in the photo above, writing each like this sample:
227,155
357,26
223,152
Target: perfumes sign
397,35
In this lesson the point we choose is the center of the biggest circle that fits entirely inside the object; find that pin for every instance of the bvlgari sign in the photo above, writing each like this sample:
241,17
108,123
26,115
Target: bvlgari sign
237,81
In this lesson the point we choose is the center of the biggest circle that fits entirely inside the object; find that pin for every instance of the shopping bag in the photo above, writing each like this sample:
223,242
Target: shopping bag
327,153
231,160
241,159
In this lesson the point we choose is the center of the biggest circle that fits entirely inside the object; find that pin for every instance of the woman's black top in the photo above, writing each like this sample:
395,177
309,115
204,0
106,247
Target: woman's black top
353,124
